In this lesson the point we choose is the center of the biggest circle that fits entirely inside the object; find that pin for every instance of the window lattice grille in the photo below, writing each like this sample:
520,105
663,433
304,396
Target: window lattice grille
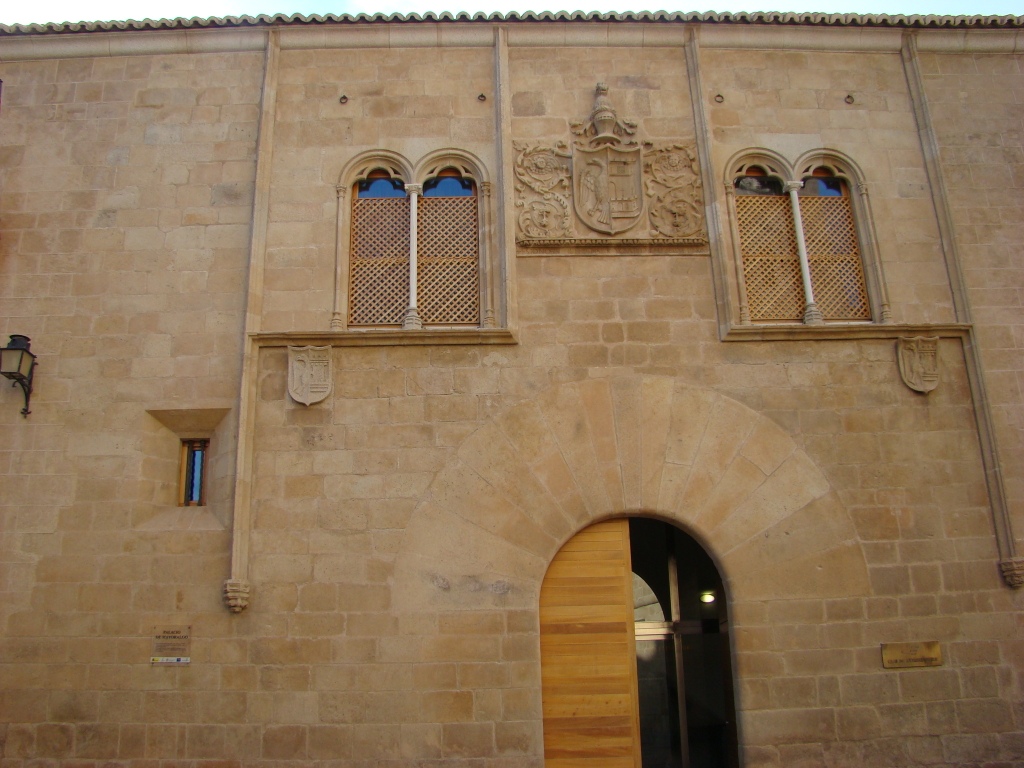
379,266
447,276
837,274
771,266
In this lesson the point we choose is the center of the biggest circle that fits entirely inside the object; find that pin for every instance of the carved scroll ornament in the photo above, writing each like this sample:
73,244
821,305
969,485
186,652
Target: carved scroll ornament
542,189
676,198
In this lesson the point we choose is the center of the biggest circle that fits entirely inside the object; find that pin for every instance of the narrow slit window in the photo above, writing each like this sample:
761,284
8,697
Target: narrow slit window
194,455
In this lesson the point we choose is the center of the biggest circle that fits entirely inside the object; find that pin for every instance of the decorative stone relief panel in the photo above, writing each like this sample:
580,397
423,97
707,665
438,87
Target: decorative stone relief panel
542,191
676,200
608,188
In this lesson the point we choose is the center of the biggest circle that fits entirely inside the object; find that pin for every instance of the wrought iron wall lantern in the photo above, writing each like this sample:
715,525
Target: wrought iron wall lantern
18,365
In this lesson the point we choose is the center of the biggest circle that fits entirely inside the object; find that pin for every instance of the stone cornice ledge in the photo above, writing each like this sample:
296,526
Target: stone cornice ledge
794,332
385,338
609,246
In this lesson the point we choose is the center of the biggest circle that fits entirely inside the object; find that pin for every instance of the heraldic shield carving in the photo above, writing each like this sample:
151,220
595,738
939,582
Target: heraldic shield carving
612,182
606,168
608,194
918,361
310,374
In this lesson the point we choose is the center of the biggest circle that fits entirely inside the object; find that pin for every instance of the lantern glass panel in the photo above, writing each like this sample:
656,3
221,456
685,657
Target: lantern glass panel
11,362
27,359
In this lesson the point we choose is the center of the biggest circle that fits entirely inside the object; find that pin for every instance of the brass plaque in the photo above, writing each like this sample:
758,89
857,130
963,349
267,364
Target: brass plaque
172,645
906,655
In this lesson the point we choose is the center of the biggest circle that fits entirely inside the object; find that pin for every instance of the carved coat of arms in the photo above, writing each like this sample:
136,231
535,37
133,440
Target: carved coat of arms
918,362
608,187
608,194
310,374
611,182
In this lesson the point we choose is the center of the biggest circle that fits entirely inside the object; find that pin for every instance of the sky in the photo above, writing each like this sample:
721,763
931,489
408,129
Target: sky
41,11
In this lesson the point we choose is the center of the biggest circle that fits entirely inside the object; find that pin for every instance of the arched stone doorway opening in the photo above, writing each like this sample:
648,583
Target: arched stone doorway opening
635,653
484,534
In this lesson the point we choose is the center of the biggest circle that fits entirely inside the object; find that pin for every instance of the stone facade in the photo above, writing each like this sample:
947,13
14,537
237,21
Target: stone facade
362,584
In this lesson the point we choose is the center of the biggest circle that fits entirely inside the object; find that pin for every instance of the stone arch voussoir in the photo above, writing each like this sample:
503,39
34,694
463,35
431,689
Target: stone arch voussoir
528,480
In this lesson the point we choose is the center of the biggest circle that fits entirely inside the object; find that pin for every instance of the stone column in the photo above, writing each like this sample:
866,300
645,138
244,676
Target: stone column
412,319
812,315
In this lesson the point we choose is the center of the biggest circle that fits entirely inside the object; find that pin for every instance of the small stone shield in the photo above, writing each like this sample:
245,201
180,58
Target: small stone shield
310,374
918,361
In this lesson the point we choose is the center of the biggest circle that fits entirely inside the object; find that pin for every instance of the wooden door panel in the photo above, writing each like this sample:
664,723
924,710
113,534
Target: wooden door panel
588,653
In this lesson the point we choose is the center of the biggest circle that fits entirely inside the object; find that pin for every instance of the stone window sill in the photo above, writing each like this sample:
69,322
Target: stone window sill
386,338
799,332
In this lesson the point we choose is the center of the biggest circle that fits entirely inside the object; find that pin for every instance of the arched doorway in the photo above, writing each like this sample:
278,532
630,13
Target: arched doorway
635,659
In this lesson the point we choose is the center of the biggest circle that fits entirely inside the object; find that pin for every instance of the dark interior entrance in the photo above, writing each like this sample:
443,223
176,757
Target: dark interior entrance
684,673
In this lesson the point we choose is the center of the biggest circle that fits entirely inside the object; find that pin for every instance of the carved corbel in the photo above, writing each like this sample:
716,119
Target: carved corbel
1013,572
236,595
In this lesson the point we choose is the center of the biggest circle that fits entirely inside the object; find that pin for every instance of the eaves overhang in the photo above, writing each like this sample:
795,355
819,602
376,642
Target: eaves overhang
760,18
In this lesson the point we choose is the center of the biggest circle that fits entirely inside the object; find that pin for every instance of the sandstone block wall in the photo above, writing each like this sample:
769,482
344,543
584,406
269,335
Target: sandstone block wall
126,200
396,534
408,101
973,106
794,102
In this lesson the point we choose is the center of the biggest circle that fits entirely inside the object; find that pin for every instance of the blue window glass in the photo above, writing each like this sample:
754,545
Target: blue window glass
193,472
448,186
381,186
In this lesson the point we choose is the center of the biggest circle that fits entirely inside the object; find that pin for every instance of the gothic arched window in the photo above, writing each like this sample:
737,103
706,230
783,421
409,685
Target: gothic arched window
417,252
798,243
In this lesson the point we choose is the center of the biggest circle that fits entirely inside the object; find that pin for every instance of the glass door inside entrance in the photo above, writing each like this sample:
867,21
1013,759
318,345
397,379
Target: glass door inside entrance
684,676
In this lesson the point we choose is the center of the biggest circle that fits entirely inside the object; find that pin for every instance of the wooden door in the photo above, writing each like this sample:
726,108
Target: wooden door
588,653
